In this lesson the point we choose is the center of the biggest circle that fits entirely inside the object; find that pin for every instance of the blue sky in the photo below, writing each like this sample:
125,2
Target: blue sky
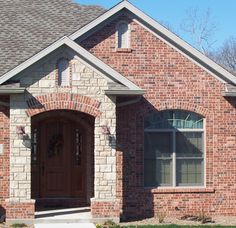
173,12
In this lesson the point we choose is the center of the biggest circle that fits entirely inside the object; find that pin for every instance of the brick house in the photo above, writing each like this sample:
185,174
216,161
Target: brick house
112,110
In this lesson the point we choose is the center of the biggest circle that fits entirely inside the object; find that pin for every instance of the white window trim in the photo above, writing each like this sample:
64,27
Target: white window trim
173,186
128,35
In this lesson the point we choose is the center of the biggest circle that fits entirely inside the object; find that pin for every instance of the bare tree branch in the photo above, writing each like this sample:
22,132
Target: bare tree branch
226,55
200,29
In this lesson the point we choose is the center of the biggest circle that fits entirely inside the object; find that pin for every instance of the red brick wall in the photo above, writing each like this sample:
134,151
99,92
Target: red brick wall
4,158
172,82
105,209
20,211
66,101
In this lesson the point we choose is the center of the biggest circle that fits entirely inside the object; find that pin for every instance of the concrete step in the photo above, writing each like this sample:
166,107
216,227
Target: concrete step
63,216
65,225
80,212
60,221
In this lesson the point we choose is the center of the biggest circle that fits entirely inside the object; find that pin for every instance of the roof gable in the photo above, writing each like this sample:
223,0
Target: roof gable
146,21
165,35
84,54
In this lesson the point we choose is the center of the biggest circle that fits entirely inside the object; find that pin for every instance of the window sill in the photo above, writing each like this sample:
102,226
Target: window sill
180,190
123,50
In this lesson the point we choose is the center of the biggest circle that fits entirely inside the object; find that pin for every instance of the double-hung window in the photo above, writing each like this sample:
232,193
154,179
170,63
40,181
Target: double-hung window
174,149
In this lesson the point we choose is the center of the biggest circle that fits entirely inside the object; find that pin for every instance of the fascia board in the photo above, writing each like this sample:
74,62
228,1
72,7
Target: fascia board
125,92
229,94
98,20
32,60
12,91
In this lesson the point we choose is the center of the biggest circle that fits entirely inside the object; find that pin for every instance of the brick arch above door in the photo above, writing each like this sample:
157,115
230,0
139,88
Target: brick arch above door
65,101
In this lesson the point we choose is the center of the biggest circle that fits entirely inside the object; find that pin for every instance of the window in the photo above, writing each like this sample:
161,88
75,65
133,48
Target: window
174,149
34,145
78,147
63,72
123,35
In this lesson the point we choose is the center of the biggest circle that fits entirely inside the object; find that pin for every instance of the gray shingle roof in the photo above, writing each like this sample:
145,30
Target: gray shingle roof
28,26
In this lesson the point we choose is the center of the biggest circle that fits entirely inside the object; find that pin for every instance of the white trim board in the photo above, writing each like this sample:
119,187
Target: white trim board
84,54
196,56
98,20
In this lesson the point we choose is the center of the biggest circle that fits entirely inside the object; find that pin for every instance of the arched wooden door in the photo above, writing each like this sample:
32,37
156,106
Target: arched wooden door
58,158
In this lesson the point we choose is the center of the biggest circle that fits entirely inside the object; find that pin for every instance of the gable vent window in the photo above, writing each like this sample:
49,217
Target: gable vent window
123,35
63,72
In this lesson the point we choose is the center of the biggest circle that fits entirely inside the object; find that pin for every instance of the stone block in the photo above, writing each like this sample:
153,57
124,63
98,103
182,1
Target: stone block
105,168
111,160
14,184
19,176
46,83
110,176
20,160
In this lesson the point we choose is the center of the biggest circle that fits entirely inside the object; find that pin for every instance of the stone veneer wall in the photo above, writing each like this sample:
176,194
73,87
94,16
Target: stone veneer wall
86,81
171,81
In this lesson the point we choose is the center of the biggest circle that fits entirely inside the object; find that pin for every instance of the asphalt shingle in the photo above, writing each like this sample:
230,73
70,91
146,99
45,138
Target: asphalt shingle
28,26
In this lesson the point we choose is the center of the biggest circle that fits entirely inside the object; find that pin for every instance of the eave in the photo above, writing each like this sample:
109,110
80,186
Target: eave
12,91
125,92
228,94
11,88
230,91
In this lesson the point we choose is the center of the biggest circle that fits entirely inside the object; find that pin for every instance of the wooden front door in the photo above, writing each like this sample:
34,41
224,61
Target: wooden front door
61,159
55,159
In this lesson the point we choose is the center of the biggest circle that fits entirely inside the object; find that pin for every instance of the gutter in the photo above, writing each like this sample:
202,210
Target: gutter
12,91
229,94
125,92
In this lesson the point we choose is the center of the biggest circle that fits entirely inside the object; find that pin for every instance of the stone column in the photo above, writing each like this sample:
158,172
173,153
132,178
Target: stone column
19,205
105,203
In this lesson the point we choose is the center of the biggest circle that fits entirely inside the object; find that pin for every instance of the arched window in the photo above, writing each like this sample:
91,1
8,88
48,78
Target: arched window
63,72
174,149
123,35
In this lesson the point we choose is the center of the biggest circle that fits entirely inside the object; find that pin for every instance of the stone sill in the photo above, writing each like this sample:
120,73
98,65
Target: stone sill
179,190
123,50
17,200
